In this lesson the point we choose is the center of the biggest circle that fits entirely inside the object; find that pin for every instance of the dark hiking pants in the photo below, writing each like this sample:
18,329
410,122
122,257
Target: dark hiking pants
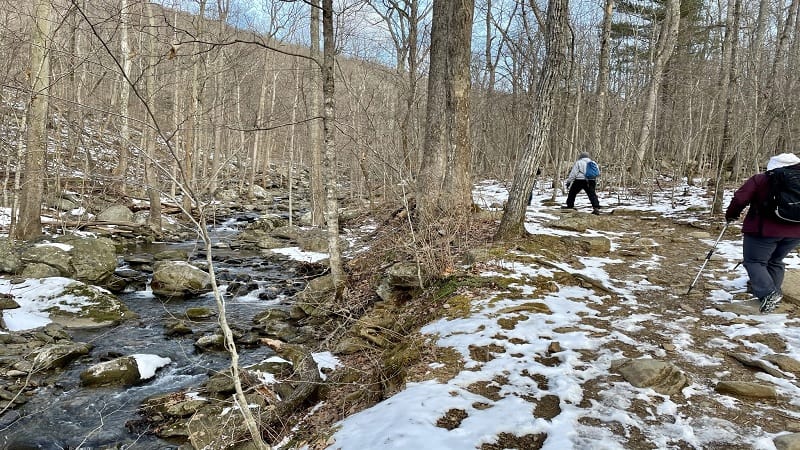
763,260
582,185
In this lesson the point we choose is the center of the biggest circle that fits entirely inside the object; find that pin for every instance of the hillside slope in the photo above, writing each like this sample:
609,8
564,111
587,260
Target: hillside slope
588,340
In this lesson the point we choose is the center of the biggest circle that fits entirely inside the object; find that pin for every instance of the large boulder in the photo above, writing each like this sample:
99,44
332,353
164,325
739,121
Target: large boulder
69,303
52,254
58,355
88,259
116,213
9,260
93,260
117,372
179,279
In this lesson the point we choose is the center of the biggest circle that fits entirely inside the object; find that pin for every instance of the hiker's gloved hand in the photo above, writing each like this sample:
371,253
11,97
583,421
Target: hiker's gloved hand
730,219
567,184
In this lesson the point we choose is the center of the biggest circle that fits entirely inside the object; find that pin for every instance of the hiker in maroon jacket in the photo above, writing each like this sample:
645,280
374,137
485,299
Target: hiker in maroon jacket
766,239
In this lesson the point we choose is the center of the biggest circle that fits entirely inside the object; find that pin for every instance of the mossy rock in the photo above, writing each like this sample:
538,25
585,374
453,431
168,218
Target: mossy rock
117,372
86,306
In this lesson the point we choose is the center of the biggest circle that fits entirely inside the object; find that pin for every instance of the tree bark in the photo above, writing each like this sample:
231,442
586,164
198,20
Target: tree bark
150,163
602,80
315,130
329,157
554,69
124,97
730,46
665,46
442,185
29,223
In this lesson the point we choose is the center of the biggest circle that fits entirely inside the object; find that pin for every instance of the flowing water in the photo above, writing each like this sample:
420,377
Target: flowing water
69,416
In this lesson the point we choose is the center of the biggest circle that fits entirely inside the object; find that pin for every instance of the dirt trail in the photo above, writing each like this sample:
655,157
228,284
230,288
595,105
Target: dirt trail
655,260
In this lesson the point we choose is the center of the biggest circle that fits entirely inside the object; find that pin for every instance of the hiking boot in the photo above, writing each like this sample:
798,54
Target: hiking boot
567,207
596,211
770,301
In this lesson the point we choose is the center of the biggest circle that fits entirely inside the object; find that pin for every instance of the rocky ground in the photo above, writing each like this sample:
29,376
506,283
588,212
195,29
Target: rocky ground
648,365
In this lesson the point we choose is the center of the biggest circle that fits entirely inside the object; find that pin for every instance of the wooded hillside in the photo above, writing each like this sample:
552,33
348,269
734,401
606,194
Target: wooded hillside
202,91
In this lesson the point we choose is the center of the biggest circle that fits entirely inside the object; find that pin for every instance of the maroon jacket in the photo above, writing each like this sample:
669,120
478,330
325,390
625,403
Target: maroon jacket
754,193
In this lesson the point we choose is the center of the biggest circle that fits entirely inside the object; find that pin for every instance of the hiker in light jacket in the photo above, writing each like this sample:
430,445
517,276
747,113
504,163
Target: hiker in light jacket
765,239
576,182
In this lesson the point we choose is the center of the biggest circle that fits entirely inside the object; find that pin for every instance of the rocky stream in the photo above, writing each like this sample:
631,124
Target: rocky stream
49,397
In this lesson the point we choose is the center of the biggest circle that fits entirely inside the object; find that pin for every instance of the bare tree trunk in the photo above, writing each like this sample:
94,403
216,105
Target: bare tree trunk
554,70
602,80
666,44
329,157
458,177
194,136
124,96
29,222
315,130
447,122
255,152
727,69
150,161
295,104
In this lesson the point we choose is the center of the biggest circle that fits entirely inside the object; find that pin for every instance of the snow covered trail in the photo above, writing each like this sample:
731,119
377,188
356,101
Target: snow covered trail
539,355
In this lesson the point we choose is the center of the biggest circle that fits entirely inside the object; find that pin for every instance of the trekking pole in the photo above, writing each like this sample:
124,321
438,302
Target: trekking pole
708,257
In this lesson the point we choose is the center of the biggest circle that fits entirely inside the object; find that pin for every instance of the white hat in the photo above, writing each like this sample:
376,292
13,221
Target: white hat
782,160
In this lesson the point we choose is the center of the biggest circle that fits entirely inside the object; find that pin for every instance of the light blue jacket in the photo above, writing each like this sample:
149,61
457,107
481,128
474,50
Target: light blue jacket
578,171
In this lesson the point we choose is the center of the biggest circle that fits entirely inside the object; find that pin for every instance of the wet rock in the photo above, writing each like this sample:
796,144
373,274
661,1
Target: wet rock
179,279
59,354
139,258
661,376
211,342
746,389
238,289
120,371
177,328
171,255
200,313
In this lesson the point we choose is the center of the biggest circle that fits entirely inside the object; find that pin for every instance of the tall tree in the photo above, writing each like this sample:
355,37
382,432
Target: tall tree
602,78
444,182
726,78
329,157
554,70
150,162
667,37
315,126
124,96
29,223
